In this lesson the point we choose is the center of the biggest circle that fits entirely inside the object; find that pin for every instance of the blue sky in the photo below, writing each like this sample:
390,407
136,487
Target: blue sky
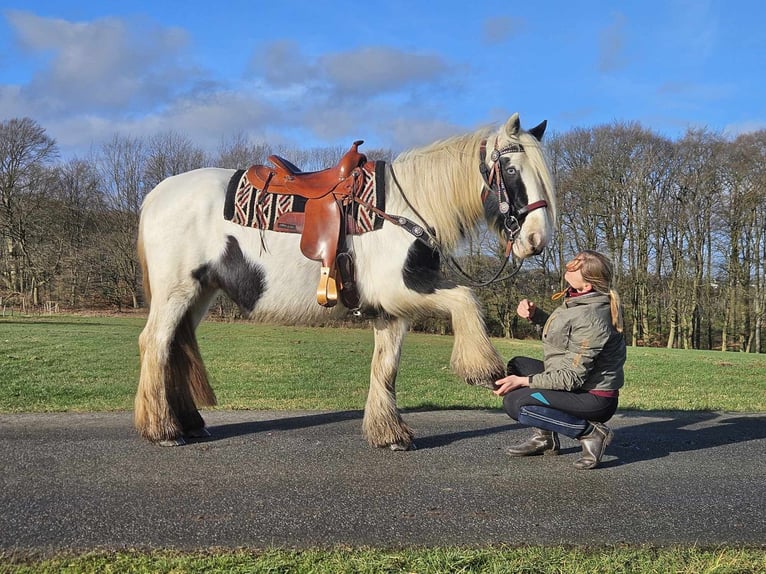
398,74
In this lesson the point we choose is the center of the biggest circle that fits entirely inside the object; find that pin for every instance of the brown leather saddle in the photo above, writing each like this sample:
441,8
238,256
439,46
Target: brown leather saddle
323,224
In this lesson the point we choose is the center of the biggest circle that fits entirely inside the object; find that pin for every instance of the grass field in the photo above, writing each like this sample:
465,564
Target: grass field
91,364
75,363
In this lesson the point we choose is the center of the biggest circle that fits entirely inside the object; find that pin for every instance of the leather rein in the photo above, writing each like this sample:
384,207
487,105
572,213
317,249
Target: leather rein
494,184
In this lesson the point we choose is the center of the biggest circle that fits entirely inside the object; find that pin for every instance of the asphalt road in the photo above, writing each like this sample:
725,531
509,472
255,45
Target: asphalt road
306,479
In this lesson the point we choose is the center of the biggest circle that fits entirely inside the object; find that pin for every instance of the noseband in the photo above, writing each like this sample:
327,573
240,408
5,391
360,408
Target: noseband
494,181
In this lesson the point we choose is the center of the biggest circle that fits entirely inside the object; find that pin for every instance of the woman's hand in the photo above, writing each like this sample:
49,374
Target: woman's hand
510,383
526,309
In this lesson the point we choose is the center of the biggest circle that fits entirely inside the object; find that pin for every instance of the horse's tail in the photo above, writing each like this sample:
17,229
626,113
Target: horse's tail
173,384
141,251
187,364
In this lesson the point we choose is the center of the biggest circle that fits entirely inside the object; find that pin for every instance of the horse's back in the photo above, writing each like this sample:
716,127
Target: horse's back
195,185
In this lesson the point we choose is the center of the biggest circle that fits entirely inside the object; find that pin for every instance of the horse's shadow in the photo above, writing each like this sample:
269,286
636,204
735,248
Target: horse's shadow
632,442
658,439
224,431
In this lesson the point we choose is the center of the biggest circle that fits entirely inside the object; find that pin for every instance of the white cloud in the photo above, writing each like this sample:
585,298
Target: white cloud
413,132
282,64
105,64
499,29
374,69
206,121
92,80
612,45
368,71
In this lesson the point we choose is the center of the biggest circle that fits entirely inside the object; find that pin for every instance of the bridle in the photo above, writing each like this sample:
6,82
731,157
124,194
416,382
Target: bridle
494,183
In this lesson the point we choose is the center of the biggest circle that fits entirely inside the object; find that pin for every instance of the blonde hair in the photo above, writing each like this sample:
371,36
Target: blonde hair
597,270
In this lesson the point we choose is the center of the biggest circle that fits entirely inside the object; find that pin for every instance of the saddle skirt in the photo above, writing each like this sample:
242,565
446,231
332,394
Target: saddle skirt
324,207
251,207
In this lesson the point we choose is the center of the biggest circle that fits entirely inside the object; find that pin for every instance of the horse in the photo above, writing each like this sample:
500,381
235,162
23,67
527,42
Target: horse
188,253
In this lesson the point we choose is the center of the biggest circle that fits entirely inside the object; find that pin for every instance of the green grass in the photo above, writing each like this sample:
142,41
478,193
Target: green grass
91,364
496,560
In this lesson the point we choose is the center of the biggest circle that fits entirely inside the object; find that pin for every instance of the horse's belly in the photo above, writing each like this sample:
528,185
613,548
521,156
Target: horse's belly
291,280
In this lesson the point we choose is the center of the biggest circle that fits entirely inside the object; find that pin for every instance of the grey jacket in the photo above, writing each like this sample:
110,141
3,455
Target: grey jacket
581,348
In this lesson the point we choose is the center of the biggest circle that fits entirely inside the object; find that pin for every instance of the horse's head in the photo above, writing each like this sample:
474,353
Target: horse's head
519,196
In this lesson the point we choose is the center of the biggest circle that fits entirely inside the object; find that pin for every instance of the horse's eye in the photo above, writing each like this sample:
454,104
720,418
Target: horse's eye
510,170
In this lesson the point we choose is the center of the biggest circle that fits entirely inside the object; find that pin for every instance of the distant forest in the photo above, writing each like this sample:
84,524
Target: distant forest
684,222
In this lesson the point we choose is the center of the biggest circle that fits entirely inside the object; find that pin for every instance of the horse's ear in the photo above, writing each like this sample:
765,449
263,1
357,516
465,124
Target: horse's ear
539,130
512,125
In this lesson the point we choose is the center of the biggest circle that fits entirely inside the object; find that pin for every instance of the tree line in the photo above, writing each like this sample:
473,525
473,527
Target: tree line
684,222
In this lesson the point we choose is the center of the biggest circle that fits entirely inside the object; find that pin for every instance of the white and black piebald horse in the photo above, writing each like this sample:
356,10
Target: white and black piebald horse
189,253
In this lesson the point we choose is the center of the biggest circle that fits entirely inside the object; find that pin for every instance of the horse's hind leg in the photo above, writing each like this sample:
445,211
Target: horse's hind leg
382,424
173,378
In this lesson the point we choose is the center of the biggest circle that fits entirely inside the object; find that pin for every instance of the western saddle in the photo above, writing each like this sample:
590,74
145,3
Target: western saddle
324,223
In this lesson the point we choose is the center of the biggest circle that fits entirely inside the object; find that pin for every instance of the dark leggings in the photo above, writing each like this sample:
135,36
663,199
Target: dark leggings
580,405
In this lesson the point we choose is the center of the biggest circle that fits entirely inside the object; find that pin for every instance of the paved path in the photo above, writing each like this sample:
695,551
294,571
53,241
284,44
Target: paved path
298,479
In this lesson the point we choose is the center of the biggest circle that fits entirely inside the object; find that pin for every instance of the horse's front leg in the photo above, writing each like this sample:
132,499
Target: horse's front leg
383,425
474,358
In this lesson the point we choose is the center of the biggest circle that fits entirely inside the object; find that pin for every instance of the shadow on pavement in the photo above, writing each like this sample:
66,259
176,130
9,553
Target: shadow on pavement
658,439
636,439
220,432
440,440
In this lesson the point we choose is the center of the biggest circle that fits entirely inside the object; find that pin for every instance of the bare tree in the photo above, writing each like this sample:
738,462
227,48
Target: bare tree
690,221
744,204
121,166
81,209
25,153
650,183
239,152
579,190
170,153
608,178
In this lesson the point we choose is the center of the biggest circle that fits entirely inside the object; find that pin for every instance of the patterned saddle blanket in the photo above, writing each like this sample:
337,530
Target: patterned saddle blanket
246,205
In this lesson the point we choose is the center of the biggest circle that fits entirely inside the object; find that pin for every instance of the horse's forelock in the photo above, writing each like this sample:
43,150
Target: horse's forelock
536,156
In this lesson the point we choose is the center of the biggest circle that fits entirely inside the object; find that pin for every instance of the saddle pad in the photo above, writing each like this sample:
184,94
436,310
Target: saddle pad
252,207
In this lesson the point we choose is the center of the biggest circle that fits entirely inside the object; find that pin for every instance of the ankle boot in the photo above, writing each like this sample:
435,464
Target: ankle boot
541,442
594,444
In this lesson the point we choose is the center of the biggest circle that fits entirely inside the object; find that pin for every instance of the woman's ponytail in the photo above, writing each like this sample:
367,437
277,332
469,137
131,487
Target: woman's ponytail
616,307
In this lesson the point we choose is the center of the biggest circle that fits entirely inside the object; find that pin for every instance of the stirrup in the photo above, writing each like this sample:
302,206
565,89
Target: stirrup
327,290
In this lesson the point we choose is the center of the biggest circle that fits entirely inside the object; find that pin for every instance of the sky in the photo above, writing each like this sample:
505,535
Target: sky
397,74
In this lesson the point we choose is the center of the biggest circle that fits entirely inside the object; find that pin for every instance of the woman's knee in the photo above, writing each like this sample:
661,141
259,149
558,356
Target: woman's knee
513,401
524,366
510,406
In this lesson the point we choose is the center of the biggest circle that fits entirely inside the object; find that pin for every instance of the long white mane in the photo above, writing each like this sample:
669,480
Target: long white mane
443,182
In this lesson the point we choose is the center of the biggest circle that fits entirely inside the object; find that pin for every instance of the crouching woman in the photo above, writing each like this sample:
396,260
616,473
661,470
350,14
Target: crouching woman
575,389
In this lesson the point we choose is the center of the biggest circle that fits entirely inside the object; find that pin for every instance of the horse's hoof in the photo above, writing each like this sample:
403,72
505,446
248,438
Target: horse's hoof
484,383
401,446
180,441
198,433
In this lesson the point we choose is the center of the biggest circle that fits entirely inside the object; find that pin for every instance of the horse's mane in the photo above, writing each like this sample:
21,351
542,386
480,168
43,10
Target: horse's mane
539,161
443,182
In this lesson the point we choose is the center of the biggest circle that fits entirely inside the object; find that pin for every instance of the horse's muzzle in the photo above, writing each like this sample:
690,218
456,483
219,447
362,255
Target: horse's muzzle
527,246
